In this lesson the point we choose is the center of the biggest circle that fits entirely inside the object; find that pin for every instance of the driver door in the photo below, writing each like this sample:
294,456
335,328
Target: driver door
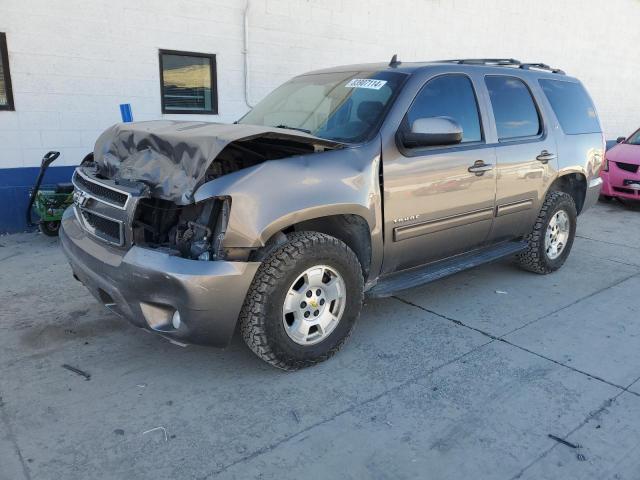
437,203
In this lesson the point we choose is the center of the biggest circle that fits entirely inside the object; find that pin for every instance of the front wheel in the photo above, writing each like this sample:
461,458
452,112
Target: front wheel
303,302
552,236
50,229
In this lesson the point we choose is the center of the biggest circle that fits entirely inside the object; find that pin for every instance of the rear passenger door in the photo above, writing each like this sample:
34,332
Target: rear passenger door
526,155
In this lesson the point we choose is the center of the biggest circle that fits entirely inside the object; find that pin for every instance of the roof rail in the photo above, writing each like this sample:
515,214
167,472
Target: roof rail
541,66
502,62
484,61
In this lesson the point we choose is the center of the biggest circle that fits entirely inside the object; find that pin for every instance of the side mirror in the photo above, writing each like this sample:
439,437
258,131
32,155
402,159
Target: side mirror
432,131
620,139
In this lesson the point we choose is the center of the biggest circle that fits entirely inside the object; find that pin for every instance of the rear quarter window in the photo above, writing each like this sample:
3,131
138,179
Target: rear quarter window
572,106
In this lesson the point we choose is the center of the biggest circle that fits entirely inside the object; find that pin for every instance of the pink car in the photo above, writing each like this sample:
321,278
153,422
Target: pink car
621,172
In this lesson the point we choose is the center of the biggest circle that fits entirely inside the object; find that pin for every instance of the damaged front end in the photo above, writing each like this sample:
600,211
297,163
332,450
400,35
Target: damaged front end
193,231
158,166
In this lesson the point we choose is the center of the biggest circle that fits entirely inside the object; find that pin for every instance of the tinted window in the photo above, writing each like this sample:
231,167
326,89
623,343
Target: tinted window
572,106
449,96
188,82
513,107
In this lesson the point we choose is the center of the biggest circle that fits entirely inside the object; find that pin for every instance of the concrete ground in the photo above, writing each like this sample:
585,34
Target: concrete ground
464,378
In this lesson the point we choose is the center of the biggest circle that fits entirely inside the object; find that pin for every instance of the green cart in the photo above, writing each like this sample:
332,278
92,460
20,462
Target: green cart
49,204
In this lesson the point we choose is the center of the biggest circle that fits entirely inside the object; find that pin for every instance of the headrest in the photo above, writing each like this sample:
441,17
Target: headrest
370,111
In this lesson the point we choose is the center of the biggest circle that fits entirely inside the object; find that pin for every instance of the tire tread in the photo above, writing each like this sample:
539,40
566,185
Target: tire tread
253,315
532,258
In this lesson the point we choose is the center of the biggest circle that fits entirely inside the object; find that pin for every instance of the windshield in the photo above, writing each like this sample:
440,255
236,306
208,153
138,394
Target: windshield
342,106
634,139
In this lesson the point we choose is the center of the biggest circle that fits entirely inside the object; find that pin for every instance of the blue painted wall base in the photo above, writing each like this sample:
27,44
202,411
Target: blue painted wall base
15,185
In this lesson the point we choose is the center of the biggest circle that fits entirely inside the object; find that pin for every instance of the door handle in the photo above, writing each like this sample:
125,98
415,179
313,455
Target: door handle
479,167
545,156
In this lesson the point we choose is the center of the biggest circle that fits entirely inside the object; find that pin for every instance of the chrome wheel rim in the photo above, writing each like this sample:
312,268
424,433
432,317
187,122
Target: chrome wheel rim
313,305
557,234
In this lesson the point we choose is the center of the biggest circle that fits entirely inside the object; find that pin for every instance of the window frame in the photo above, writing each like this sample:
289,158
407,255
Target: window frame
214,82
419,151
562,80
4,58
541,124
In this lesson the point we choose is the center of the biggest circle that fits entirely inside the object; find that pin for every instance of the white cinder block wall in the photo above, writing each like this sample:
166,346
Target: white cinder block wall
74,61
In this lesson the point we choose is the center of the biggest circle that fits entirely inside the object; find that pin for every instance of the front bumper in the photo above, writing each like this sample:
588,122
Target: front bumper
147,287
616,183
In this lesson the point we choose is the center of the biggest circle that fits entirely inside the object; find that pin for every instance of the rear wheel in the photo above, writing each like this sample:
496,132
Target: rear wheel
552,236
50,229
303,302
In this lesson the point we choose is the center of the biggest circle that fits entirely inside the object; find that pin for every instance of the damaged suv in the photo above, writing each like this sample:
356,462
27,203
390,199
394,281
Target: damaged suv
364,179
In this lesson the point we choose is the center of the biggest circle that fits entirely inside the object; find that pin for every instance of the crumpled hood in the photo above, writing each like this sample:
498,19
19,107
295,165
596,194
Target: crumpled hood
172,157
625,152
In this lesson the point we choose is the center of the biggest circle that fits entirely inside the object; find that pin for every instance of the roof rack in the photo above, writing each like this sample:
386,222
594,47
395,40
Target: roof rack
484,61
541,66
503,62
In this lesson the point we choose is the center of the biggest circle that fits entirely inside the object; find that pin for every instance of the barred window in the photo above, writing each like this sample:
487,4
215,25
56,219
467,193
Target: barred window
188,82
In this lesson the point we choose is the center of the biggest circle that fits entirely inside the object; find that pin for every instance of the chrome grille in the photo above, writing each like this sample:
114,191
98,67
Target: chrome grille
103,210
103,227
100,191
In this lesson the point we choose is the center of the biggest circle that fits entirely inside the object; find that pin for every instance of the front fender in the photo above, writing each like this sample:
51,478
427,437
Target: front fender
275,194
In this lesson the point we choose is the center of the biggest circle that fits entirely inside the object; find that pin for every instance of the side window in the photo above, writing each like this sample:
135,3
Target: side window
572,106
513,107
449,96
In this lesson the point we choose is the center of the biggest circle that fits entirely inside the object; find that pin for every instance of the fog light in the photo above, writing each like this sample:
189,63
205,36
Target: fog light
175,321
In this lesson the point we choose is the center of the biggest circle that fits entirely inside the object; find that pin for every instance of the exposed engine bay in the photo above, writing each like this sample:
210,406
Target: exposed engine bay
194,231
175,158
172,159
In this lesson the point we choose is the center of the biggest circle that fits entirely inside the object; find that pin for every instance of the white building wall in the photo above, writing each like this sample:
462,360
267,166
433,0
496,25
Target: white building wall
74,61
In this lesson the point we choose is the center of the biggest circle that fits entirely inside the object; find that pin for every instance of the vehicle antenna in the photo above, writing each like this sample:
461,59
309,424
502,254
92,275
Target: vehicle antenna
394,61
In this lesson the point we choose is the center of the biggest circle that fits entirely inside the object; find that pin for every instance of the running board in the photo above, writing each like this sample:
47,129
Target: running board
414,277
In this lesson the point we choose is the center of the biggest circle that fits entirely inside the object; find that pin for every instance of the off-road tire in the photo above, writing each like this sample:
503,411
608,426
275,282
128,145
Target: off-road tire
50,229
534,258
261,322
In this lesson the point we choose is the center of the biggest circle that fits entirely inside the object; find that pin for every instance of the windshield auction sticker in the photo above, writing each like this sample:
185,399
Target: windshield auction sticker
370,83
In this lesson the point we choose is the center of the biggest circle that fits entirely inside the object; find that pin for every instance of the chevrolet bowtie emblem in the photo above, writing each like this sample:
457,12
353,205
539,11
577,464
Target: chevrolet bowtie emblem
80,198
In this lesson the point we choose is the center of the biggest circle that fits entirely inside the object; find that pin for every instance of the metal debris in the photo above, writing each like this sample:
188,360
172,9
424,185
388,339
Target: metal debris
77,371
564,442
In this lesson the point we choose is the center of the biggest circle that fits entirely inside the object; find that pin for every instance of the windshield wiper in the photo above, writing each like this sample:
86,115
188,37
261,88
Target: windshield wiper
304,130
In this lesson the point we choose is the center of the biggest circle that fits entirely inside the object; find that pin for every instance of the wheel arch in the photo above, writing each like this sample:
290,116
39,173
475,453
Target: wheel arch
573,183
351,228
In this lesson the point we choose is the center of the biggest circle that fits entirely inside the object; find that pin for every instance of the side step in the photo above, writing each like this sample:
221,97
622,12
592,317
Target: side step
413,277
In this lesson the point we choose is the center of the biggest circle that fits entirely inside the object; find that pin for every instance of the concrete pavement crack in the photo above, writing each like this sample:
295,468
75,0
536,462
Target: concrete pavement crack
608,243
287,438
503,340
575,302
606,404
